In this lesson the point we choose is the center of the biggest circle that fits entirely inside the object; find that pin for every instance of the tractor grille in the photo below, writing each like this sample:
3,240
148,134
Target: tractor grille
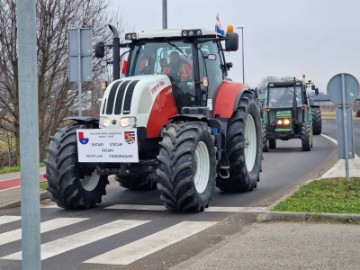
272,116
121,91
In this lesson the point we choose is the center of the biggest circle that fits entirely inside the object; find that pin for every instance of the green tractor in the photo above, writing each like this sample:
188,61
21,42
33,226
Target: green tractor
288,114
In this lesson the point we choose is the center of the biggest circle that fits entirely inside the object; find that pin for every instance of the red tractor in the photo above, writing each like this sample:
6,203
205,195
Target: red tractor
176,124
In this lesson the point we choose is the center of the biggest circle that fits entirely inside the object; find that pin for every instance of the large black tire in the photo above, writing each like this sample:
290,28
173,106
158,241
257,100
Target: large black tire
272,143
73,185
243,147
187,166
306,137
137,182
265,141
316,120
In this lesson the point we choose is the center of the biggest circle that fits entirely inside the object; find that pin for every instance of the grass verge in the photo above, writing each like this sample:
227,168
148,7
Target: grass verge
13,169
10,169
333,195
43,185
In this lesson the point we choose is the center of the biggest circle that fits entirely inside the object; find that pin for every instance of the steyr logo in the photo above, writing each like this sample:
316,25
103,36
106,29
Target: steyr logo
82,139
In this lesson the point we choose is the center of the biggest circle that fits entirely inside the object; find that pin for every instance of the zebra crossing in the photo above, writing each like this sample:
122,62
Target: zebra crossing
130,252
78,233
150,244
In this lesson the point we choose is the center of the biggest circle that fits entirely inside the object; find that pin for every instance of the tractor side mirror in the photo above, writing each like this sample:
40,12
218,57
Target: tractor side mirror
99,49
231,42
229,65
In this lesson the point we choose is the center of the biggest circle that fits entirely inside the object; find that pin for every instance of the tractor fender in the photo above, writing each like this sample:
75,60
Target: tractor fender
87,120
227,97
240,94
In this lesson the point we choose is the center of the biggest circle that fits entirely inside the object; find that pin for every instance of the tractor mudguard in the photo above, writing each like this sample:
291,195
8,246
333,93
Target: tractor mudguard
226,98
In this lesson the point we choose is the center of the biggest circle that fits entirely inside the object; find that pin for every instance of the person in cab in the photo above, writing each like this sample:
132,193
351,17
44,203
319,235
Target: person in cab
179,69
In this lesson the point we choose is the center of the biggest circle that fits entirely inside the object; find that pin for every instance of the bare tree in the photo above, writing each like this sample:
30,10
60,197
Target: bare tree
56,94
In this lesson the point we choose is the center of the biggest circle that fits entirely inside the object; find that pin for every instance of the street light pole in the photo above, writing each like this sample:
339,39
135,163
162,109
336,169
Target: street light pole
242,51
164,11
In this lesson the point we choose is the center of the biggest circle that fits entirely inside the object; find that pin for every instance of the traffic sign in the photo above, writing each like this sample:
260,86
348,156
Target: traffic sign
343,89
348,83
80,67
80,55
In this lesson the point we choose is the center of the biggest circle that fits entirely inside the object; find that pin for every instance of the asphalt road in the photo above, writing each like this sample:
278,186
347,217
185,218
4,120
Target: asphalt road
329,129
117,236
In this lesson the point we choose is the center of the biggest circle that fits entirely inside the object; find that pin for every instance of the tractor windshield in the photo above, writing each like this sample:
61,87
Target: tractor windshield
162,57
168,57
283,97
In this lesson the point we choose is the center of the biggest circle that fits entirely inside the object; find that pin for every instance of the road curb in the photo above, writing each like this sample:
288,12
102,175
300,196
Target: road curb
44,194
301,216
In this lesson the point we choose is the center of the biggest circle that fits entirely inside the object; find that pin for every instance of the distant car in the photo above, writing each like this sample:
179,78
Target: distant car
358,113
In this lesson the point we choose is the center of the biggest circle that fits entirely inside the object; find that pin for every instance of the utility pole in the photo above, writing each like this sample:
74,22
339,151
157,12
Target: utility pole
29,133
164,11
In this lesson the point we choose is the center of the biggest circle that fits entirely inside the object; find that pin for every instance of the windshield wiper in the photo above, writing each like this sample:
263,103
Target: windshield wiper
175,46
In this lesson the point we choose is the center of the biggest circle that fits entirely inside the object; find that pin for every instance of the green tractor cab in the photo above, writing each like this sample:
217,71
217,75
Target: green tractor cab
287,114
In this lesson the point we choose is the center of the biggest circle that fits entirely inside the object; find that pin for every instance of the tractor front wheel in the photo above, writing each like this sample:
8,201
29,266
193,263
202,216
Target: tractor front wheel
73,185
243,147
306,137
272,143
265,140
187,166
316,120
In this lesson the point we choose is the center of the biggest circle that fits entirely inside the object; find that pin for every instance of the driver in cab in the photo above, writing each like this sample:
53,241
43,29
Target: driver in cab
286,99
178,69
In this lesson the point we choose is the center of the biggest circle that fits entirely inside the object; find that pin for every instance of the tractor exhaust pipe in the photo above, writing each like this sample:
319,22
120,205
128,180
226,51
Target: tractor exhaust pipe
116,53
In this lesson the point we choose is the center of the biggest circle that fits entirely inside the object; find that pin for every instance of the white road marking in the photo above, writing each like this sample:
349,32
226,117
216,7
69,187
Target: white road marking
8,219
162,208
329,138
62,245
143,247
50,206
46,226
137,207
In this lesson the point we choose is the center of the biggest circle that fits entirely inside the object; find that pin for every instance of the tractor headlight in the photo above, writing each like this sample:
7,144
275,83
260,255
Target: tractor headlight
283,122
128,122
104,121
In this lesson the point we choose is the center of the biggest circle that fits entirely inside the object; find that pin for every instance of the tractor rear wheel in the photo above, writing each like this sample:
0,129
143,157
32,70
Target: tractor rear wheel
272,143
187,166
73,185
316,120
243,147
306,137
137,182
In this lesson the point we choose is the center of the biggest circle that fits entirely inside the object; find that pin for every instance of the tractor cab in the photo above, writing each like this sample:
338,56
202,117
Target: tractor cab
190,58
285,103
285,97
287,114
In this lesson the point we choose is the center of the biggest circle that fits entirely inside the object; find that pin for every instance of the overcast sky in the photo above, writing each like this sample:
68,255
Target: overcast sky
320,38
